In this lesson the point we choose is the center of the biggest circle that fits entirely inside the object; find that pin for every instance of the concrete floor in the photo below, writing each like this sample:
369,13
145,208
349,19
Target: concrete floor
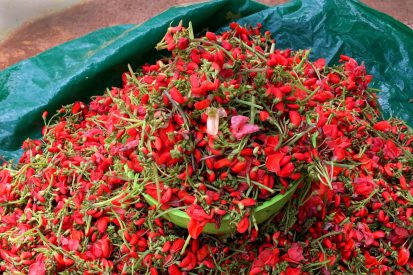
39,34
12,13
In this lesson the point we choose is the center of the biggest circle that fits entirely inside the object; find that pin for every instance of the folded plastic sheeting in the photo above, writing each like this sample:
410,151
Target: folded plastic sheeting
84,67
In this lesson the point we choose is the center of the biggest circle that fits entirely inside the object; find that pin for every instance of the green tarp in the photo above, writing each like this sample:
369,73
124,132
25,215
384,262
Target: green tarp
86,66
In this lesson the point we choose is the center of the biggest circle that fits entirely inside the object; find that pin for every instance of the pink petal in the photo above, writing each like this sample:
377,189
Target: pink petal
246,130
37,268
238,121
240,127
73,245
295,252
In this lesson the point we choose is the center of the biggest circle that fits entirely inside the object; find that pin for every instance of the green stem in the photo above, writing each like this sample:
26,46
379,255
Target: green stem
170,210
328,235
252,110
158,188
13,240
303,60
297,137
312,93
216,45
105,203
242,179
185,244
251,49
251,104
176,105
132,74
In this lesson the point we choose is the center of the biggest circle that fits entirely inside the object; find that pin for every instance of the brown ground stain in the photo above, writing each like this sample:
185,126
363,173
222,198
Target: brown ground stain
41,34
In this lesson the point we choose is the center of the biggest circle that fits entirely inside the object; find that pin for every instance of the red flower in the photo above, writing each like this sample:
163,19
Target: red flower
295,252
174,270
264,115
391,150
38,267
273,162
183,43
196,212
370,260
292,271
364,186
287,170
403,256
320,63
295,118
195,227
363,232
266,257
211,36
199,218
243,225
177,96
382,126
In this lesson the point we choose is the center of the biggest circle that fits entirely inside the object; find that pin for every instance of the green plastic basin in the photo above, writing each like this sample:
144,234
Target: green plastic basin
262,213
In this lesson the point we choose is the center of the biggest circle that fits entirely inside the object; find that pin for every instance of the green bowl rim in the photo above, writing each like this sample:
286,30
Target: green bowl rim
272,201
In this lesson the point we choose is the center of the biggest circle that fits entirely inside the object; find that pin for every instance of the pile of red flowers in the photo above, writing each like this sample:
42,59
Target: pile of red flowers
216,129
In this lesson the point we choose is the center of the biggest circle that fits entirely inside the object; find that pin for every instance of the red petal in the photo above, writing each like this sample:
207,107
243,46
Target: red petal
295,252
287,170
37,268
197,212
195,227
295,118
391,150
243,225
403,256
272,141
320,63
382,126
273,162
